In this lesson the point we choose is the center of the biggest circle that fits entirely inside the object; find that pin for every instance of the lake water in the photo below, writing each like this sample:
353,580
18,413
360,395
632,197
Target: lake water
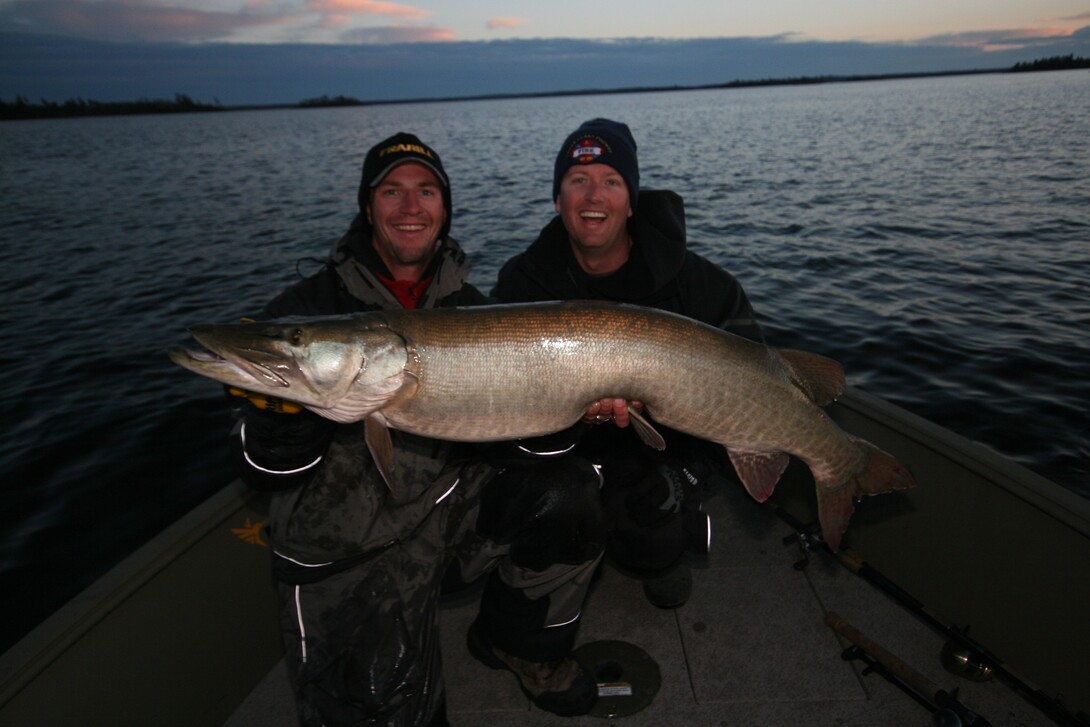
931,234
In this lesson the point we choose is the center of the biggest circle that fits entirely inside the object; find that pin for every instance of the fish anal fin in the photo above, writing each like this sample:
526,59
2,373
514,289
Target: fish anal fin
819,377
835,508
759,471
648,434
376,432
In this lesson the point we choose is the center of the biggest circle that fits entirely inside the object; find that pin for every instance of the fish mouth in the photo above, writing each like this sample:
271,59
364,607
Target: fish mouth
244,366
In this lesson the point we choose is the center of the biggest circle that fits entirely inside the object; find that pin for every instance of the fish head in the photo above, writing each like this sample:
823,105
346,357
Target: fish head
341,368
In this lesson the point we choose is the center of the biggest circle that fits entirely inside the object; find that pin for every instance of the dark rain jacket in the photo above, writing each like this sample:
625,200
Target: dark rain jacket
661,271
330,506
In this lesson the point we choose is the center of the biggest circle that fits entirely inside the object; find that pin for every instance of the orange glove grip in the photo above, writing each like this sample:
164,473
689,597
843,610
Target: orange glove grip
268,403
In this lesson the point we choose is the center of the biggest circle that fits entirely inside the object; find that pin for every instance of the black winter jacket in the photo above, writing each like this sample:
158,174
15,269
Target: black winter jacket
661,272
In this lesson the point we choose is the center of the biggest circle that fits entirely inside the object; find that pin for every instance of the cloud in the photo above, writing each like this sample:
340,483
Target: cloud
155,21
397,34
126,20
993,40
1012,38
495,23
382,66
365,7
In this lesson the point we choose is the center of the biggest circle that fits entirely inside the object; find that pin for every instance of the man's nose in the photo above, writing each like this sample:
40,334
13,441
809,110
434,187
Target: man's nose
594,190
410,203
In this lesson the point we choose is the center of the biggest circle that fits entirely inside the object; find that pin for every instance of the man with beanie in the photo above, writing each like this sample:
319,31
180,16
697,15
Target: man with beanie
357,570
612,240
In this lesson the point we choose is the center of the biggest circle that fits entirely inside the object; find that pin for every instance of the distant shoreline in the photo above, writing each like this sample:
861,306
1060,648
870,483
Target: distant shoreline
21,108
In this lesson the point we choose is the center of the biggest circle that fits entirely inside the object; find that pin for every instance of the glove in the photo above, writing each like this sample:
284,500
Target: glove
266,403
660,493
274,451
668,496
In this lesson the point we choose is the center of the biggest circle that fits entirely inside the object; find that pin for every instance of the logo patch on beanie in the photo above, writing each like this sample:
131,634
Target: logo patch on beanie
407,149
588,150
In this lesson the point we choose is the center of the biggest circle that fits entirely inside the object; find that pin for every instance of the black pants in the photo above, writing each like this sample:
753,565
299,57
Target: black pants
564,513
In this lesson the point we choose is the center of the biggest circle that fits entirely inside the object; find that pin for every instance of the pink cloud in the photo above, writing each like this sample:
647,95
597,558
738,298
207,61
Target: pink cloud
1004,39
365,7
334,21
495,23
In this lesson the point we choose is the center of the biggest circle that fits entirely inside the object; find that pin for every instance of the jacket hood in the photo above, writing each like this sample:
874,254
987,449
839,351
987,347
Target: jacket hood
355,260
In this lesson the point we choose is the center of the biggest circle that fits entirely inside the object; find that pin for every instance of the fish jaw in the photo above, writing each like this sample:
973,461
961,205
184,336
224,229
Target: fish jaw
255,365
331,366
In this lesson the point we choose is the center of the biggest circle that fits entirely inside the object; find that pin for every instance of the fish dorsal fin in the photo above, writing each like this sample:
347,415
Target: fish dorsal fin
819,377
648,434
759,471
376,432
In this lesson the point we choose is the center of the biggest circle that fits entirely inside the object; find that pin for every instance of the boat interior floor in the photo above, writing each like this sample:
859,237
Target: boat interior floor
750,647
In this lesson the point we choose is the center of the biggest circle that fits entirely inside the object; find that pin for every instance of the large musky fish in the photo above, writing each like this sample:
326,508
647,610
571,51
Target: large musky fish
508,372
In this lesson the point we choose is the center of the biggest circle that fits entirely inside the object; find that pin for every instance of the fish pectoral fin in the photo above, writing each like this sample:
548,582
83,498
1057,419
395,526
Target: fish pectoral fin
648,434
376,432
759,471
819,377
360,401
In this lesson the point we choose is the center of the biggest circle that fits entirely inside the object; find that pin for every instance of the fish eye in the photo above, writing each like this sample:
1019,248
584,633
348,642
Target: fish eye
296,336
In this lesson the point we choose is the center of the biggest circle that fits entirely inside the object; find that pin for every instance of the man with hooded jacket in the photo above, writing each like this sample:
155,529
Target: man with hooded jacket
358,566
613,241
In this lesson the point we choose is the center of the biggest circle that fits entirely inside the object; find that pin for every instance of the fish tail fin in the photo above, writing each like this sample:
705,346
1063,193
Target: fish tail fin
881,472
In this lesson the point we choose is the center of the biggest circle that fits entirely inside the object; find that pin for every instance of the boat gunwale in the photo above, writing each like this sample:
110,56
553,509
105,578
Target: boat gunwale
29,657
1049,497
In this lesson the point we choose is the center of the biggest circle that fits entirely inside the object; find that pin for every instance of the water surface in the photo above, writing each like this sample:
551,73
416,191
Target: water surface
931,234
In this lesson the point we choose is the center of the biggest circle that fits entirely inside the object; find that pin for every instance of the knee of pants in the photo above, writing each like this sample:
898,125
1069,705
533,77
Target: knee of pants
647,548
549,512
354,658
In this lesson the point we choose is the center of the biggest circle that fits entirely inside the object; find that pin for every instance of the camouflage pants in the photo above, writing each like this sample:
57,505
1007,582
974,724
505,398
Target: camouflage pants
361,633
361,636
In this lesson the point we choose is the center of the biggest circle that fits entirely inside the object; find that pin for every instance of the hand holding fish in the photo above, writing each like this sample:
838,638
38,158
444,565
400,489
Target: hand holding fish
611,409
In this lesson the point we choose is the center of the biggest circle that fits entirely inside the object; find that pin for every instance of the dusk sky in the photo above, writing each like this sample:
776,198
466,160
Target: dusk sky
283,51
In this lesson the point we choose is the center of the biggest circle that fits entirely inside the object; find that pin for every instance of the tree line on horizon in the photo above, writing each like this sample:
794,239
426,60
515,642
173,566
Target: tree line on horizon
22,108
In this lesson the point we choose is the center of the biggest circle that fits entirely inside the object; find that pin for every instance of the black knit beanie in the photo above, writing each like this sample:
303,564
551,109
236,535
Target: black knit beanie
389,153
601,141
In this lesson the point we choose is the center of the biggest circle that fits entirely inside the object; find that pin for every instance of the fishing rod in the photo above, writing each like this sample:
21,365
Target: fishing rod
976,656
947,709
